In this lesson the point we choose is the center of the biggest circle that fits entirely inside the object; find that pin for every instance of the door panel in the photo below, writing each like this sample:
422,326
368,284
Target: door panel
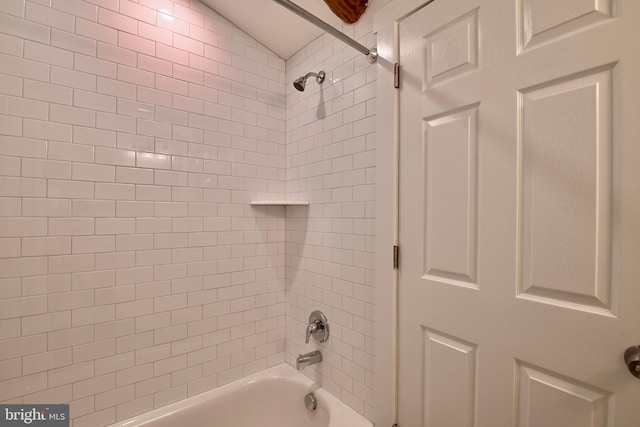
566,150
519,213
451,145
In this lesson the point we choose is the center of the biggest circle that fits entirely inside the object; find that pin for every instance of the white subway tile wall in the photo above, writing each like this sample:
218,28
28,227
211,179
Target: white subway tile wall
133,272
330,161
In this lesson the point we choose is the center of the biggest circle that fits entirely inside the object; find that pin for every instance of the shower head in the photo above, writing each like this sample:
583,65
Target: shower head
300,82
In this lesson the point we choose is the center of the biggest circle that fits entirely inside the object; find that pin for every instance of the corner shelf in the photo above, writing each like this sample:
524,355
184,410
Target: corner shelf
279,203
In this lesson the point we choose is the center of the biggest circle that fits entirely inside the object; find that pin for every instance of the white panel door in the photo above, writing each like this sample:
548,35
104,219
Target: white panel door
519,279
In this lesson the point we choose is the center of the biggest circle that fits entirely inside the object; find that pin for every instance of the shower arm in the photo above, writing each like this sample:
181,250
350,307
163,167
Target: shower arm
372,54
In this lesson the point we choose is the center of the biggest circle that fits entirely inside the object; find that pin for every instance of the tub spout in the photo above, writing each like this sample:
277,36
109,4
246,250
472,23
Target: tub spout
307,359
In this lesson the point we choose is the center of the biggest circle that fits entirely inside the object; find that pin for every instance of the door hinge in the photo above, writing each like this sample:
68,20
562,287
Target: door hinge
396,76
396,257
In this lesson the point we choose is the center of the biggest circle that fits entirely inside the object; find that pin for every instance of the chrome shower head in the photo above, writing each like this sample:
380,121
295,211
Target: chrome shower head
301,82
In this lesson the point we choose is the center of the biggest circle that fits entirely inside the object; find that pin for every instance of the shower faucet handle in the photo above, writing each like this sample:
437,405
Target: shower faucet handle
318,327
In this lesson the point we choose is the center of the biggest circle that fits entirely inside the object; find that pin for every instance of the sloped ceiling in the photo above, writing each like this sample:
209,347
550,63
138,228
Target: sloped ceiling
278,29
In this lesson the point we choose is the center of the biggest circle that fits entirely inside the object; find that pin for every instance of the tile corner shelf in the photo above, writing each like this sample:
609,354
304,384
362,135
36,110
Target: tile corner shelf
279,203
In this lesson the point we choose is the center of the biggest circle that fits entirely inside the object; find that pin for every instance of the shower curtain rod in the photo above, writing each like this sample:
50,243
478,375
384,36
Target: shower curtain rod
372,54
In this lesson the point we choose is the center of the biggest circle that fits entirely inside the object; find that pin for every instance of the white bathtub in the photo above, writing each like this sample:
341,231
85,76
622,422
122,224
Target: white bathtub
271,398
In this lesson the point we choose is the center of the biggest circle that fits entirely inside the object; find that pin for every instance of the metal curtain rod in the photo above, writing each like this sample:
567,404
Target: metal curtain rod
372,55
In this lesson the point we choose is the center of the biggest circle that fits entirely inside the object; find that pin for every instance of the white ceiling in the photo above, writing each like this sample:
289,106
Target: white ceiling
274,26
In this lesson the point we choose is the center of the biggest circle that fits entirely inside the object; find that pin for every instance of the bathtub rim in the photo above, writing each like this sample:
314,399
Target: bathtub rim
337,409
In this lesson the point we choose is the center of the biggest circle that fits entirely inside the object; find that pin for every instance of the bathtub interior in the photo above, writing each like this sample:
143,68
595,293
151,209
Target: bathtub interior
272,398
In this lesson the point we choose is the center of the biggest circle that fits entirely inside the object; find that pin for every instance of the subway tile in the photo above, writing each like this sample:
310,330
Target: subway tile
172,54
46,130
154,161
70,152
95,385
9,248
134,209
21,307
93,244
72,42
46,323
71,226
153,128
91,65
11,126
114,260
13,7
94,101
153,289
114,156
38,246
134,275
11,368
154,257
77,8
70,263
49,16
22,107
49,207
168,146
114,397
39,285
70,337
154,96
92,136
153,193
11,85
70,189
47,92
22,227
73,79
46,169
96,31
172,178
71,115
135,109
10,166
150,179
93,279
115,329
23,346
94,350
153,225
134,375
94,208
136,44
154,65
24,29
23,385
117,21
134,175
48,54
116,55
46,361
104,417
135,142
70,374
153,32
114,363
93,172
115,191
93,315
115,226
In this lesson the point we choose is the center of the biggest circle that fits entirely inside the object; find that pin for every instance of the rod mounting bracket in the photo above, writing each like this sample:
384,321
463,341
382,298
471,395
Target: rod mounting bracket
372,56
